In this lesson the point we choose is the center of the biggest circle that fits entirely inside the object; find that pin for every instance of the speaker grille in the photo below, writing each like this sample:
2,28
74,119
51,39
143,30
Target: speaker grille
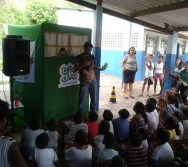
16,56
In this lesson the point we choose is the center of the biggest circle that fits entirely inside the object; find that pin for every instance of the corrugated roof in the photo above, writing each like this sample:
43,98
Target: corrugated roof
162,15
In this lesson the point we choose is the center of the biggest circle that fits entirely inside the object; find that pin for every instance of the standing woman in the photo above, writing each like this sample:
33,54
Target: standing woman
129,66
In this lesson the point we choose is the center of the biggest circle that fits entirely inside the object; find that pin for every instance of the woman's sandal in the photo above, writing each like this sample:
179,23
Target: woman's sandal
132,97
125,97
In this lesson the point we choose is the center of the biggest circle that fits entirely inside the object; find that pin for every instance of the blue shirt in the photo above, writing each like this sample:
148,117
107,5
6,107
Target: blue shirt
121,129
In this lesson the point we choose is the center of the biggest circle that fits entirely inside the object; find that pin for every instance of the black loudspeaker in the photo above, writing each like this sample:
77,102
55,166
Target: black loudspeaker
16,56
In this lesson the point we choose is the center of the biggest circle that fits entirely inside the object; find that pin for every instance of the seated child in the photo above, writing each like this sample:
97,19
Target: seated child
163,154
185,122
163,111
179,117
80,156
108,152
74,127
121,126
104,128
152,124
43,156
29,135
108,116
135,154
140,119
92,126
143,132
118,161
54,137
155,112
172,126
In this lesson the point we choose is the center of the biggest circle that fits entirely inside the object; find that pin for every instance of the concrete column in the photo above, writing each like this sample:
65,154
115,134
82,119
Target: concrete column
158,47
97,38
185,57
170,59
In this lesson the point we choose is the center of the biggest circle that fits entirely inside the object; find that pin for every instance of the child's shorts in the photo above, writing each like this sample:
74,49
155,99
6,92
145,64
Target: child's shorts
159,75
148,80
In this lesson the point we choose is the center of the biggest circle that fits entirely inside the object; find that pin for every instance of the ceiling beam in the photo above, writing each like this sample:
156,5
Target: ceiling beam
159,9
179,35
137,21
122,16
180,29
83,3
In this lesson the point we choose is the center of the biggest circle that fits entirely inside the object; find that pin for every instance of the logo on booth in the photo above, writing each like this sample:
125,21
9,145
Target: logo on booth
68,76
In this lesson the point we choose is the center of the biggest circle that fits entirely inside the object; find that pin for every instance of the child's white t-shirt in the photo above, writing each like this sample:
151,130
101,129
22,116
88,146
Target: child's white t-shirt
79,157
53,139
44,157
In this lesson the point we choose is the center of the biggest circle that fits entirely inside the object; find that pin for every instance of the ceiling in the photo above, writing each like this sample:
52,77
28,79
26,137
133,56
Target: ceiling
162,15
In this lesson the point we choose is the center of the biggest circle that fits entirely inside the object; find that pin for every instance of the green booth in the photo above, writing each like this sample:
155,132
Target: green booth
51,88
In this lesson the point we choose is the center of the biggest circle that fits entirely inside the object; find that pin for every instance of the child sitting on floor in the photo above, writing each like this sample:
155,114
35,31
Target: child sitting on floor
43,156
108,152
108,116
73,127
104,128
29,135
81,155
162,154
55,140
121,126
92,126
185,122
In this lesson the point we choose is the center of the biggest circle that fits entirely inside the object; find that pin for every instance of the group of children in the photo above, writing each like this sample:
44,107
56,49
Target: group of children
146,139
155,71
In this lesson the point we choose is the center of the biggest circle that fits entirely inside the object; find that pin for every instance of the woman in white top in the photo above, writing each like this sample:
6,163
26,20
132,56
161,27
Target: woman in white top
129,66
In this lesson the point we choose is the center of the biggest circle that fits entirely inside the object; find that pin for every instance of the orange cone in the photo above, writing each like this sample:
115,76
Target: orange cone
113,95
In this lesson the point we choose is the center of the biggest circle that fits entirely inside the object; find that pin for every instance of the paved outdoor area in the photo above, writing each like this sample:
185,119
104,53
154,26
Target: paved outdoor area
106,84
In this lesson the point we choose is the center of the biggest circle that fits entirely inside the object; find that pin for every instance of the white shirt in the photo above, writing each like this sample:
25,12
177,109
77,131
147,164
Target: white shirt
111,127
29,137
185,125
181,128
145,143
156,115
106,154
159,68
148,72
44,157
151,122
5,146
163,154
79,157
53,139
98,143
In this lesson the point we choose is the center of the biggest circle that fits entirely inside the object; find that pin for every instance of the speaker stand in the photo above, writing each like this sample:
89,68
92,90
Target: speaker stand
12,102
14,108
